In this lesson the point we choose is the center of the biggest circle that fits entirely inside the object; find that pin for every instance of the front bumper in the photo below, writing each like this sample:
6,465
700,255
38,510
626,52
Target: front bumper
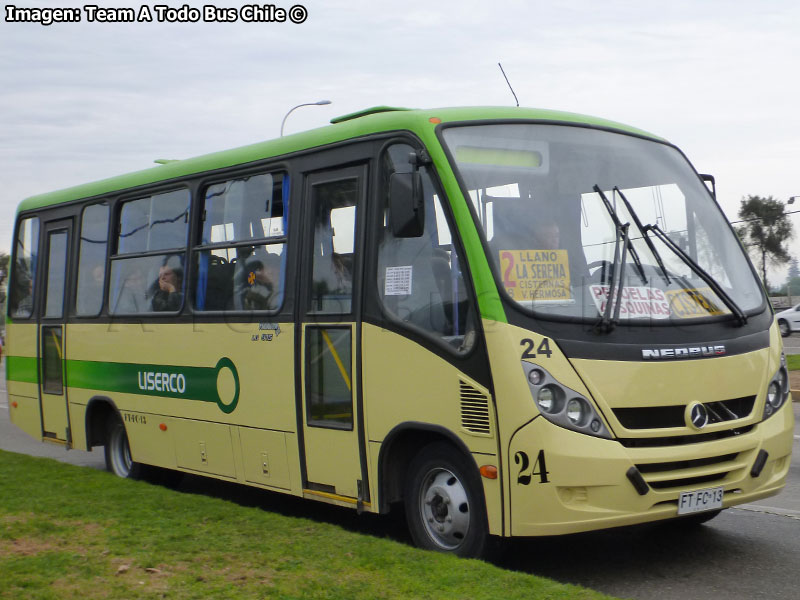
566,482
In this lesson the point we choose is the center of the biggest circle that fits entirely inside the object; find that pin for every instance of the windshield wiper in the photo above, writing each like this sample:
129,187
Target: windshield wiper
611,313
642,229
622,231
710,281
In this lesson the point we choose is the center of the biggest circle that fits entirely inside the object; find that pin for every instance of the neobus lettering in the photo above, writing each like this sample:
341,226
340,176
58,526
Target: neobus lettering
687,352
162,382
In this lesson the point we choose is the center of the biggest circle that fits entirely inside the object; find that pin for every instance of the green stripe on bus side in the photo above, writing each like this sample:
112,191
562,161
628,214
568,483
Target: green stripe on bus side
22,368
200,383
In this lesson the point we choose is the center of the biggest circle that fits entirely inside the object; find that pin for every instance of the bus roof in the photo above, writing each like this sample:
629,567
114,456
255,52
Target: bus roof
368,121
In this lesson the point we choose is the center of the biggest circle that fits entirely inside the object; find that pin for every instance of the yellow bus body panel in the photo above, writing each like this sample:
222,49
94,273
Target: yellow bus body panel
256,443
21,344
423,388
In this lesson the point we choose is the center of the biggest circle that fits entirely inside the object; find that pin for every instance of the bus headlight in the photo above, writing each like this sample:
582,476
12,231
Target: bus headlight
777,390
550,398
577,411
546,399
774,394
561,405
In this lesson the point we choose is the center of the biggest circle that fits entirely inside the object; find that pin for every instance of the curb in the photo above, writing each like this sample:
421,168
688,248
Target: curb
795,395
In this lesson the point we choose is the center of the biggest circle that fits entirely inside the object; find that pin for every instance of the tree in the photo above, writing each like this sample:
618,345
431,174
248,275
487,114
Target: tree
794,270
765,231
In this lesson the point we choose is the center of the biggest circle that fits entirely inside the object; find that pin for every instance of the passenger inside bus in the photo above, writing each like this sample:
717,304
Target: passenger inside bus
167,291
263,282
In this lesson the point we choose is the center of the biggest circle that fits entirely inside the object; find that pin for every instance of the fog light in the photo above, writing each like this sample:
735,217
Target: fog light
595,426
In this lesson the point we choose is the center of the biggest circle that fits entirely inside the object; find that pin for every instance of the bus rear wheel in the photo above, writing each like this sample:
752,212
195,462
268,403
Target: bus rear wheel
118,451
444,508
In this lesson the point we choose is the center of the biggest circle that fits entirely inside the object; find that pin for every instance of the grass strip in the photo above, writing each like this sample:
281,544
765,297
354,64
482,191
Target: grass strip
793,362
72,532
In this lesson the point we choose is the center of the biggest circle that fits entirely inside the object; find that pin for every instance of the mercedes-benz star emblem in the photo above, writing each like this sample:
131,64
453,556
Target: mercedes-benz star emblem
698,415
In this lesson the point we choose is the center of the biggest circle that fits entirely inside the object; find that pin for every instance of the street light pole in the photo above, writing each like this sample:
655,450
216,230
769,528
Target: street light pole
320,103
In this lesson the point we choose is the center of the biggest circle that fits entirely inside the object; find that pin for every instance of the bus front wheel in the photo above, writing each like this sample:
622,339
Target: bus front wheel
444,508
118,451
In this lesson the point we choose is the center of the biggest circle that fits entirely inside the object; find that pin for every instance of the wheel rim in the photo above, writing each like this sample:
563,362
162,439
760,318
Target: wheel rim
784,327
120,452
444,506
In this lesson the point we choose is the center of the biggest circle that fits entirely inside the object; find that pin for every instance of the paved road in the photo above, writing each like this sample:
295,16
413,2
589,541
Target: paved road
748,552
791,344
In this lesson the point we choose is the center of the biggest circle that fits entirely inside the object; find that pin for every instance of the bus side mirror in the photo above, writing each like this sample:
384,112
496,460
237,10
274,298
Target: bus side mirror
406,206
713,188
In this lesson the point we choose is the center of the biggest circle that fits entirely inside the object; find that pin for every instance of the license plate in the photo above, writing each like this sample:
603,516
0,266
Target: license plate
699,501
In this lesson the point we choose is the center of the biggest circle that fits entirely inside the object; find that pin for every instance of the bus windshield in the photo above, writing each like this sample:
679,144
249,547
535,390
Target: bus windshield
577,218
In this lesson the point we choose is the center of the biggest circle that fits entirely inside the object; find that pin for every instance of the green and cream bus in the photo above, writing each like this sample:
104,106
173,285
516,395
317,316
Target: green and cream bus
515,322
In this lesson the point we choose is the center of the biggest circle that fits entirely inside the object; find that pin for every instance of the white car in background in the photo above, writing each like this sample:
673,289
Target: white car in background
789,320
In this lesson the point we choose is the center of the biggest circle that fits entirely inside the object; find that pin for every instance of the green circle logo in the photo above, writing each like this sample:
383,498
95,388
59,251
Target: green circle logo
227,385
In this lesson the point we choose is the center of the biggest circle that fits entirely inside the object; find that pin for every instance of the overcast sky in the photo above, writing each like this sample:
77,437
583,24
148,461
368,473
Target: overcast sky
84,101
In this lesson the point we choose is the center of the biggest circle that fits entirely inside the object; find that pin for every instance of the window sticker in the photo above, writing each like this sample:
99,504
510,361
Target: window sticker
398,281
536,275
636,303
693,303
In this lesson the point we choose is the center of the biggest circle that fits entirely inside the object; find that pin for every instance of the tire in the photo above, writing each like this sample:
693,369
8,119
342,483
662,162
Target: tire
444,503
118,451
786,331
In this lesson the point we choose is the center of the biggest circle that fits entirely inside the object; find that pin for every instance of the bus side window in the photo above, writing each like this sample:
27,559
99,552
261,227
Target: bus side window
147,273
420,280
92,260
334,244
241,259
23,276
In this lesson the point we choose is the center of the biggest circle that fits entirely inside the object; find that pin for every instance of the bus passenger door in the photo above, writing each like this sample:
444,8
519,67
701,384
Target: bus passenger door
327,350
55,415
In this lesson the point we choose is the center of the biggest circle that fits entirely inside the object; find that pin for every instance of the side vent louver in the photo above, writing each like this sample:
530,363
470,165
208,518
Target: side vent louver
474,410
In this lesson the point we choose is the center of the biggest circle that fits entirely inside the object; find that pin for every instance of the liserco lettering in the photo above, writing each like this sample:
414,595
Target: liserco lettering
162,382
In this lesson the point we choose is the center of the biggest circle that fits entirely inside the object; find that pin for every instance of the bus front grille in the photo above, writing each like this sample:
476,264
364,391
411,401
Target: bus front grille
666,417
688,473
682,440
